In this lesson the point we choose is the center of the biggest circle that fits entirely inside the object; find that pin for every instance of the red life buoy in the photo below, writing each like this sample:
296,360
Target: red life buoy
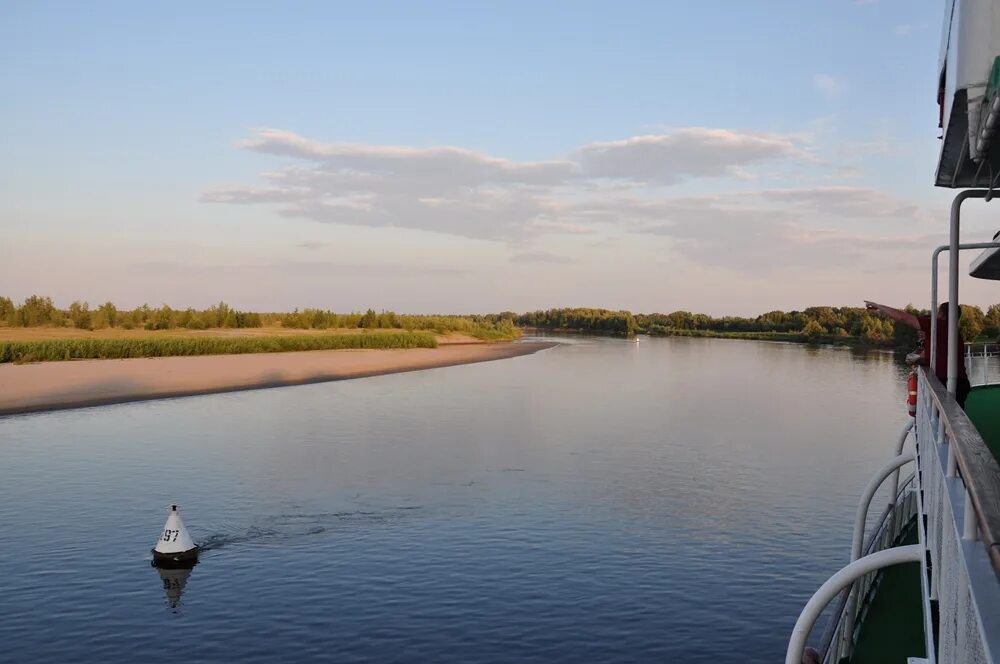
911,393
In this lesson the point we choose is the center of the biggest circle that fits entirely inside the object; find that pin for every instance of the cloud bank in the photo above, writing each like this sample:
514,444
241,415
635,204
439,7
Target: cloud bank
630,186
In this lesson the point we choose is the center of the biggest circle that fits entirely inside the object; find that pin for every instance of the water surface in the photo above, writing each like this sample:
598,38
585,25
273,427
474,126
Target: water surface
673,500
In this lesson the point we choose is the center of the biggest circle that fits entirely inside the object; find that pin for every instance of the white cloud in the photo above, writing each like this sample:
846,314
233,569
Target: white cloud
542,227
686,153
904,29
475,195
539,257
856,202
828,86
309,269
753,240
350,163
626,186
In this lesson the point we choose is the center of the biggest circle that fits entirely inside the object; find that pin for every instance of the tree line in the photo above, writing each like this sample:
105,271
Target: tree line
812,323
37,311
594,321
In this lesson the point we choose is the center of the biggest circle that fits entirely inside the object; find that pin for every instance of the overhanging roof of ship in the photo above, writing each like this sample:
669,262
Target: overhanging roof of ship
969,106
969,71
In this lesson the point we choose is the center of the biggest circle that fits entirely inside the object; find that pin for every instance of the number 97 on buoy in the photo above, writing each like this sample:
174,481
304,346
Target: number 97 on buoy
175,548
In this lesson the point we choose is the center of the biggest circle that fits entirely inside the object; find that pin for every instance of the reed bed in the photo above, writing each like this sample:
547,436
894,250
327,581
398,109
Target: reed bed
87,349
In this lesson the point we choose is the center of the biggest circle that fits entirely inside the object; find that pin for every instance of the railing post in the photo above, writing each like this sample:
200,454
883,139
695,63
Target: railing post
970,529
899,450
940,428
984,364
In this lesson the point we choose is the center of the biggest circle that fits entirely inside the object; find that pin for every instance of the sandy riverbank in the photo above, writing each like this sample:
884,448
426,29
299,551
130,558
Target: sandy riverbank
56,385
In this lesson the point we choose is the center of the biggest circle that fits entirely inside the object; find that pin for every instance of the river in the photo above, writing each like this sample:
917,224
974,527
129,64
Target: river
675,500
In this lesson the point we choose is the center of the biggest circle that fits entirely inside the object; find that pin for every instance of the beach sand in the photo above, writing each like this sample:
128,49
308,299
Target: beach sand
26,388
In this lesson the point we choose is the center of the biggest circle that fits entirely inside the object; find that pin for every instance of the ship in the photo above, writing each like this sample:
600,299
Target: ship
921,583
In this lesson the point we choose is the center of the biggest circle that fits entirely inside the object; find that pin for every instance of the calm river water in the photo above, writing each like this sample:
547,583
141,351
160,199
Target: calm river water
676,501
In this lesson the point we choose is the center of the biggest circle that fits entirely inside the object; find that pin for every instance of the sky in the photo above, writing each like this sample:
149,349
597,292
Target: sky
461,157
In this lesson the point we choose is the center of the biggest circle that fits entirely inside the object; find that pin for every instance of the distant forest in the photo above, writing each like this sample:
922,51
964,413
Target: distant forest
38,311
820,324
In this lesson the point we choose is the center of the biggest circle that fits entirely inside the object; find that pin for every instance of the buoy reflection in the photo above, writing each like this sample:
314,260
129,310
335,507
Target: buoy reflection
174,579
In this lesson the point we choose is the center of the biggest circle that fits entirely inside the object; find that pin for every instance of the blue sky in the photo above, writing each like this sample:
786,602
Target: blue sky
472,156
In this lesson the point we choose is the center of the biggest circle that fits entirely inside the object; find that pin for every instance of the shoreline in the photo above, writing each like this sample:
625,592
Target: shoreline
49,386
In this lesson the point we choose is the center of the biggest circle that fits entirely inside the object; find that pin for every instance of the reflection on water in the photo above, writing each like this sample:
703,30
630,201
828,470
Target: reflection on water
173,581
675,500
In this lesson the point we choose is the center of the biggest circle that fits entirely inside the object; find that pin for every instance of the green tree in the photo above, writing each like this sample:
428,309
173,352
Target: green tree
161,319
7,311
972,322
387,319
825,316
79,316
218,314
771,320
183,318
992,328
813,330
194,320
876,330
369,320
106,315
36,311
137,317
248,319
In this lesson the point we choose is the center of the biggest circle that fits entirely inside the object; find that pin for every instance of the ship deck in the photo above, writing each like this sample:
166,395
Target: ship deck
983,408
894,626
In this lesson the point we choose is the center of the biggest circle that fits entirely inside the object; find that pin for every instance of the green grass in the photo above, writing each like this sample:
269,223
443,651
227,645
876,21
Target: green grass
80,349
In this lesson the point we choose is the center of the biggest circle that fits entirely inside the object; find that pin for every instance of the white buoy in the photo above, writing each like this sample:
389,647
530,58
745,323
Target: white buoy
175,548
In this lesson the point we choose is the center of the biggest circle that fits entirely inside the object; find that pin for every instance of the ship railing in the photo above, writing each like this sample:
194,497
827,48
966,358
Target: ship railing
890,528
959,479
982,363
956,490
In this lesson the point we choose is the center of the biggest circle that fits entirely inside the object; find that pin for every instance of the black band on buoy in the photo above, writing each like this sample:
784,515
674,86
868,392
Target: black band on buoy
183,559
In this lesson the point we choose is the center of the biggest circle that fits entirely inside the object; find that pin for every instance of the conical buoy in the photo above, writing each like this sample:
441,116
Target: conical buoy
175,547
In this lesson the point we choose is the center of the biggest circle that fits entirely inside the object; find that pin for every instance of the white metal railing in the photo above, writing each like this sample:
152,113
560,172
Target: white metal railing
955,495
982,363
895,522
849,637
846,576
955,466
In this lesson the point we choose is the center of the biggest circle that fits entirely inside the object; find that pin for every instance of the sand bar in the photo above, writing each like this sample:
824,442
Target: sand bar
26,388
